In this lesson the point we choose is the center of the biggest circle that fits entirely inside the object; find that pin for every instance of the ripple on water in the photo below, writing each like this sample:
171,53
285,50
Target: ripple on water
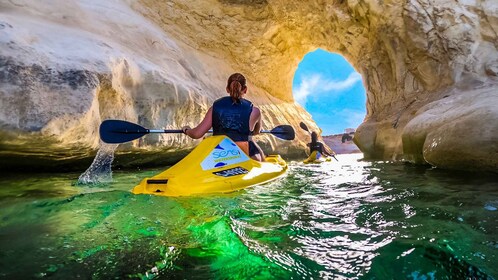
340,220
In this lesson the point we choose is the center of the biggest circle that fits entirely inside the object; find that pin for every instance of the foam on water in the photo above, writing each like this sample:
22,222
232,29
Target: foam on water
100,171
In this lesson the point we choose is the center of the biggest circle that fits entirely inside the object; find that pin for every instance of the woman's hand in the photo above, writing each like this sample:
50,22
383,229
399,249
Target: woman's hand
185,128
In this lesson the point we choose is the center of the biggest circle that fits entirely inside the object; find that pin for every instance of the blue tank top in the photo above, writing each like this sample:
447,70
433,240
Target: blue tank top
232,118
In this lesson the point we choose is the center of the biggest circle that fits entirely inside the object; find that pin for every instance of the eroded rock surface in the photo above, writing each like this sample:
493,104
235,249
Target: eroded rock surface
67,65
458,131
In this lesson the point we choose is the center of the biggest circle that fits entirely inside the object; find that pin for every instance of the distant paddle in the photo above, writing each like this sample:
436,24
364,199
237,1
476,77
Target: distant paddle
118,131
285,132
304,126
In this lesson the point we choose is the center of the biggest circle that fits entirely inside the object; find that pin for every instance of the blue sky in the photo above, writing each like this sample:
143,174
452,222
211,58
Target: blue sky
331,90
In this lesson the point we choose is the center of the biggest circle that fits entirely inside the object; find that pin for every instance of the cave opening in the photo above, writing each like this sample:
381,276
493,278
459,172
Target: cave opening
331,90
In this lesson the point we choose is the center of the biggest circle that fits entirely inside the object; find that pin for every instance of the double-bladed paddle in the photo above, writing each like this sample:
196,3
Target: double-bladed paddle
118,131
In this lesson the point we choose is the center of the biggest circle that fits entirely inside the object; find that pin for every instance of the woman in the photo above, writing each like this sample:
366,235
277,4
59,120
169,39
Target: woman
315,145
234,117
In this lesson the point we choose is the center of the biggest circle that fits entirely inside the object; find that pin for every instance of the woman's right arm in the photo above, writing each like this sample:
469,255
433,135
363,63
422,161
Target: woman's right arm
255,121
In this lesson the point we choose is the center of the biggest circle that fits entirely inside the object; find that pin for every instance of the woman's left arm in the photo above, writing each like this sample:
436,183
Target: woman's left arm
201,129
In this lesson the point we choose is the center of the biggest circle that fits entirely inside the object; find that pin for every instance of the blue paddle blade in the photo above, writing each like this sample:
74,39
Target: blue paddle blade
304,126
118,131
285,132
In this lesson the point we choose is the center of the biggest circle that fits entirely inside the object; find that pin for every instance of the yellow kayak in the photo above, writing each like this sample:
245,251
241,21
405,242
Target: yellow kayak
316,157
216,165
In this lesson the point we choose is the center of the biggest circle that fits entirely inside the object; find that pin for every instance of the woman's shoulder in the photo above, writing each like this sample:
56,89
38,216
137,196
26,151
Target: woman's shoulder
222,99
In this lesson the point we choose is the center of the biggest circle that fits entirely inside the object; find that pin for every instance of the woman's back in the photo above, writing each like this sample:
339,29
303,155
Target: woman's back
232,118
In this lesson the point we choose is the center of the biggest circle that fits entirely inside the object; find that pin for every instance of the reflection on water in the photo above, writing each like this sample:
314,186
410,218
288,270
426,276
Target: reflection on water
340,220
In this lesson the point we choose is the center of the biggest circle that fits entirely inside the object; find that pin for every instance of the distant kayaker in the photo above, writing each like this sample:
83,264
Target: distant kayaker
233,116
315,145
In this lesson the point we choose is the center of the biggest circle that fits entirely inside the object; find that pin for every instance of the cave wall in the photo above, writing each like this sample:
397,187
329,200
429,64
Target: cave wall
414,56
67,65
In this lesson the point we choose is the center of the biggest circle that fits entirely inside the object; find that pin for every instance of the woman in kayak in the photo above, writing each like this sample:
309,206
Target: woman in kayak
234,117
315,145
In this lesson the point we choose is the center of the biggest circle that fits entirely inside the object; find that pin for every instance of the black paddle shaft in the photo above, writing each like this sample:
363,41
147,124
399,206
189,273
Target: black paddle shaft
118,131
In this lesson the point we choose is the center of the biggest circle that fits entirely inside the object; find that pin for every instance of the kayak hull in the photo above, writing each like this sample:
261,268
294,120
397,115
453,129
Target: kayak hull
316,158
216,165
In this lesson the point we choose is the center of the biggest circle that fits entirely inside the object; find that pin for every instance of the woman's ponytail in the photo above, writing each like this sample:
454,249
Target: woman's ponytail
235,85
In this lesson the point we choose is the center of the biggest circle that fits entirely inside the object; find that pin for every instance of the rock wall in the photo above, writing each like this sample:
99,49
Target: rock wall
67,65
433,85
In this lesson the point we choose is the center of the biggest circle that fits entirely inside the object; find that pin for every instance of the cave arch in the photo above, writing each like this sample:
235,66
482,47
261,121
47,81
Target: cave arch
331,90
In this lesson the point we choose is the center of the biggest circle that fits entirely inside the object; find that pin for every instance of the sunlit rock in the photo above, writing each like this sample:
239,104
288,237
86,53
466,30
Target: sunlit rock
66,66
459,131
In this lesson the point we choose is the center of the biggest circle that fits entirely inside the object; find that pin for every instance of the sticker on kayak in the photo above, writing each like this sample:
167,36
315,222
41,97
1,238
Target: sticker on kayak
225,153
232,172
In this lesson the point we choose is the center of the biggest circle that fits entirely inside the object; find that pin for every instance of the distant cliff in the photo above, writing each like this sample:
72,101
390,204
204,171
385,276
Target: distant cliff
337,145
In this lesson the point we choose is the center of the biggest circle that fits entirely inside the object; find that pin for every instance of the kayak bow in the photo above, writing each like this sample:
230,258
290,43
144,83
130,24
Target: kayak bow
216,165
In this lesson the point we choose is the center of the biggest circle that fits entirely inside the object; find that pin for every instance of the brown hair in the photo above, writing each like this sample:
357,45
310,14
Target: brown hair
235,85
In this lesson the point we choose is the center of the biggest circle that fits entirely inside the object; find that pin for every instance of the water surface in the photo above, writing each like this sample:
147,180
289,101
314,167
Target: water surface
340,220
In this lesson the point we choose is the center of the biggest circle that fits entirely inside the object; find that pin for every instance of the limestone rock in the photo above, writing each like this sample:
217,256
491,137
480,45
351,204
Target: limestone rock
459,131
66,66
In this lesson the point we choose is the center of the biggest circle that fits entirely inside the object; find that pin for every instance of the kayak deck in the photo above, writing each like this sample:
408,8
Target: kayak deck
216,165
316,157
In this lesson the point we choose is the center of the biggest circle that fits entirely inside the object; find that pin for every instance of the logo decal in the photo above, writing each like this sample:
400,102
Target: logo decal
220,164
228,153
232,172
224,154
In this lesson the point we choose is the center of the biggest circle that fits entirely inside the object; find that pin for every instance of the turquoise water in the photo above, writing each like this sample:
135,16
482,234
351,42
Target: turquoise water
340,220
